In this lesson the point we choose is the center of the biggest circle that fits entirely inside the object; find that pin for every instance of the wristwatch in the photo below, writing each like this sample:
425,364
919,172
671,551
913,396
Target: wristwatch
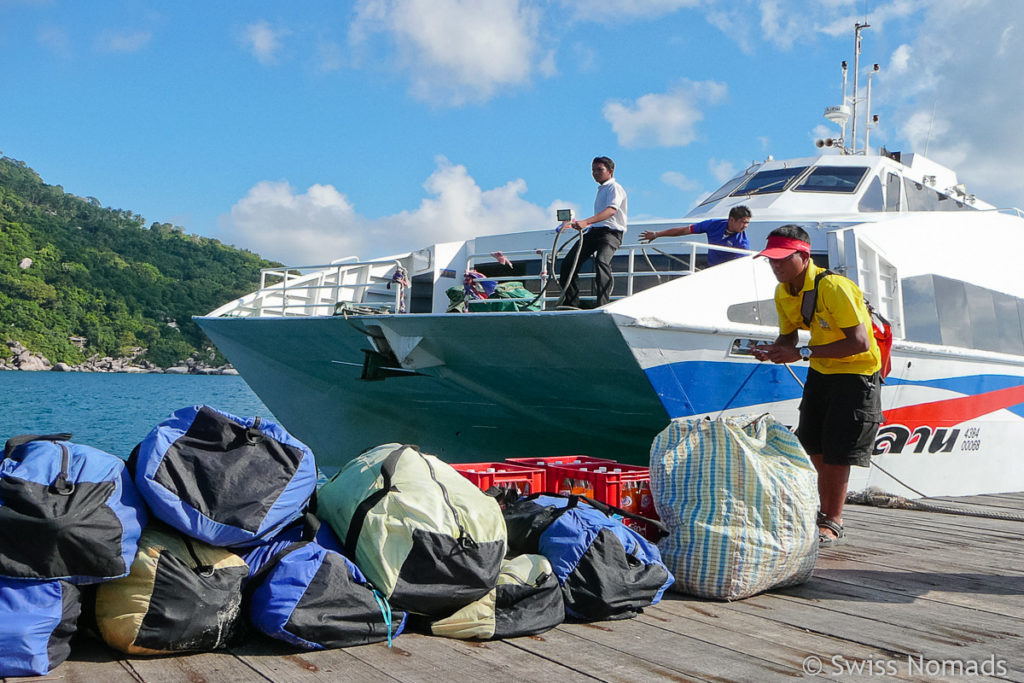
805,352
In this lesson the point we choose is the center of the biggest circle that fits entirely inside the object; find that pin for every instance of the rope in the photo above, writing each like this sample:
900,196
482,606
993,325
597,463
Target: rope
550,269
743,384
385,610
651,265
575,263
887,500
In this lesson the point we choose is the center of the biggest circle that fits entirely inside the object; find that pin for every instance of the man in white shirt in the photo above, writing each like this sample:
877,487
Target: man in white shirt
604,231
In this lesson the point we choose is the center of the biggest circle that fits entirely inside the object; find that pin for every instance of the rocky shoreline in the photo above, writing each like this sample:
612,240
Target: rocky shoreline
23,359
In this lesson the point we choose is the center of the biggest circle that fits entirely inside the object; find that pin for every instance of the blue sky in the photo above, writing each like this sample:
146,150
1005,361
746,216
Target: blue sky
307,131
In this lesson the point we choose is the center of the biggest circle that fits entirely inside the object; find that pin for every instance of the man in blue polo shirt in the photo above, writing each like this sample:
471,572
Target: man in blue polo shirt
720,232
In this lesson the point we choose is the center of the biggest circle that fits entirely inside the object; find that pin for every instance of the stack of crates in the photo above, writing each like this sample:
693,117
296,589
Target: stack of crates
624,486
525,480
550,482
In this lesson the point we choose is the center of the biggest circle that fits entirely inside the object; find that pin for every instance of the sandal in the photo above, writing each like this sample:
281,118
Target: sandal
826,541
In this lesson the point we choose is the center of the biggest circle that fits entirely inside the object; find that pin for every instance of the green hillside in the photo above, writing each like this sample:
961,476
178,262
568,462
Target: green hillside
72,268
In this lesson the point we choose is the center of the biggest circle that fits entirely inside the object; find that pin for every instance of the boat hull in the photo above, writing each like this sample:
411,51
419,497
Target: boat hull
486,386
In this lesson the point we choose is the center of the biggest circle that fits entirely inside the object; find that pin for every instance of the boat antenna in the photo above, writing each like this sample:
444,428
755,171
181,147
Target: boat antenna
856,77
869,120
928,138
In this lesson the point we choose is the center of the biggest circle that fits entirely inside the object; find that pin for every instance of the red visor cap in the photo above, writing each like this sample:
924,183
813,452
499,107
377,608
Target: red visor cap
781,247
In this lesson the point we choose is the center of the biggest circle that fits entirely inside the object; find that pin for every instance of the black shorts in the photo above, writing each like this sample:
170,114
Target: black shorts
839,417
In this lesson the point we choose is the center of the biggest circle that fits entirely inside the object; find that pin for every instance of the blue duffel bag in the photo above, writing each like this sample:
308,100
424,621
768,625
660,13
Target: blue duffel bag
67,511
303,591
225,480
606,569
37,620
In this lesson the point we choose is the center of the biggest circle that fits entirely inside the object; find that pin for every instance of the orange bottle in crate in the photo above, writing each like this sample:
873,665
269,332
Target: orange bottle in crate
630,498
582,487
647,501
565,486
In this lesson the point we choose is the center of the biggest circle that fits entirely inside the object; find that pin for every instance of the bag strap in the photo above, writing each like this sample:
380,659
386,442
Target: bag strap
809,304
23,439
355,527
310,527
607,508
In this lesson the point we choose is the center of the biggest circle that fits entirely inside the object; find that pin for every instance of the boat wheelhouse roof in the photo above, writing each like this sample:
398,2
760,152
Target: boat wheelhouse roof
833,184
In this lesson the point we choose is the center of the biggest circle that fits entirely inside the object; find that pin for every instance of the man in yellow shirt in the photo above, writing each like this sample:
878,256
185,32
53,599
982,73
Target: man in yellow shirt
841,407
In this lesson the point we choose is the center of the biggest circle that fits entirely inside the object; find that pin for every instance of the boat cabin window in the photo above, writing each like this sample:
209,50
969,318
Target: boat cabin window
724,190
941,310
922,198
766,182
843,179
892,192
872,197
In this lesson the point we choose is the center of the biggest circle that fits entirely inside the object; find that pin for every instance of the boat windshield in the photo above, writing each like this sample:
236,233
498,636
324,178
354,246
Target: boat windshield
766,182
843,179
724,190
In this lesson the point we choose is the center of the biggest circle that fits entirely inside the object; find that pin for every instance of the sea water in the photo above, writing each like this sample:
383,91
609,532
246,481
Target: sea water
112,411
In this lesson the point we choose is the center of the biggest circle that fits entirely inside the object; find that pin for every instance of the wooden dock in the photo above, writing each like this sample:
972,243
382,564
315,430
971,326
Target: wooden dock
912,596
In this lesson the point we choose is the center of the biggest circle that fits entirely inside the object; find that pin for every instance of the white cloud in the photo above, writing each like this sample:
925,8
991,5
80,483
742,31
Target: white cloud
54,39
624,10
664,119
456,51
721,170
961,92
786,23
900,59
679,181
321,224
329,56
122,41
299,228
263,41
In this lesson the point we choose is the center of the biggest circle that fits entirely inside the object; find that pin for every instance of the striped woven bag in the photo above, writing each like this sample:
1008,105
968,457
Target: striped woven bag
739,496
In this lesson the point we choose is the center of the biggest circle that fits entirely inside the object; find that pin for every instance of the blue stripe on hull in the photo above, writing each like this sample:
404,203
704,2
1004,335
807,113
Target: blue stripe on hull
698,387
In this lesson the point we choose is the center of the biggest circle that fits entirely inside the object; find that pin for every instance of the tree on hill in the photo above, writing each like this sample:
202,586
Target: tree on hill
72,268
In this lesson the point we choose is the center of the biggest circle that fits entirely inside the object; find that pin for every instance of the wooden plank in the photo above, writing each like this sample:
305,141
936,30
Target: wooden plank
749,636
981,527
886,619
582,655
989,592
690,657
416,657
1001,501
282,663
90,661
210,667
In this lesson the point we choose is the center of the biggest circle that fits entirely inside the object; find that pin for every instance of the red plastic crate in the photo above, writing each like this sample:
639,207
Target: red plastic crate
488,474
547,461
608,486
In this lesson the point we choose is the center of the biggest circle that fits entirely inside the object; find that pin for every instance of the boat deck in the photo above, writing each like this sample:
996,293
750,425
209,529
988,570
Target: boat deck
912,596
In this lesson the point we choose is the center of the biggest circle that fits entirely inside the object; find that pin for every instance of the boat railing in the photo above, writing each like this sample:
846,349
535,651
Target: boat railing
683,252
382,286
321,289
1011,211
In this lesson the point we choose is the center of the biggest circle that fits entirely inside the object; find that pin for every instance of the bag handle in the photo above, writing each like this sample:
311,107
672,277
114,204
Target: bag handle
607,508
23,439
355,526
310,527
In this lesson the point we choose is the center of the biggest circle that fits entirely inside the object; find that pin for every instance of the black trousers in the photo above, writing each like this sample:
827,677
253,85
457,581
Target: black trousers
599,243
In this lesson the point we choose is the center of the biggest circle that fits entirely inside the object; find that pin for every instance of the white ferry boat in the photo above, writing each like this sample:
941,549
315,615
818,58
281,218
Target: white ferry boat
356,353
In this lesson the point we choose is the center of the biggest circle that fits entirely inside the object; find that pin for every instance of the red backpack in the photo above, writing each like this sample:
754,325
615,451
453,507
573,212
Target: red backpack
881,327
